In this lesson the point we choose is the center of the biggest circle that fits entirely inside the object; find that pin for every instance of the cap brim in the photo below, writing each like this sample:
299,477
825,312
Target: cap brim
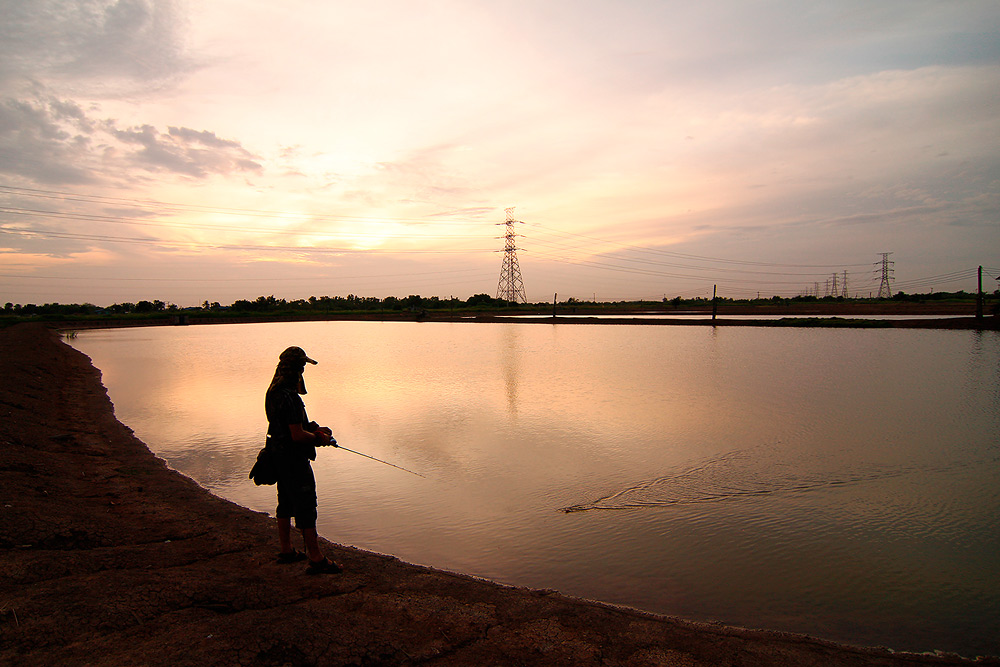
311,361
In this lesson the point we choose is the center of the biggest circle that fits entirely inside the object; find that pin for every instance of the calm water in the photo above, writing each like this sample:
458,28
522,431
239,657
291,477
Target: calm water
840,483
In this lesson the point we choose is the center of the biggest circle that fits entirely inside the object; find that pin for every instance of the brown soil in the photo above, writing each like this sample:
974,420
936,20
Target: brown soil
109,558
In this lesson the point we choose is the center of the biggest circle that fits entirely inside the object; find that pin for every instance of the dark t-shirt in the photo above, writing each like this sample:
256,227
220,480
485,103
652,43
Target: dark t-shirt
284,406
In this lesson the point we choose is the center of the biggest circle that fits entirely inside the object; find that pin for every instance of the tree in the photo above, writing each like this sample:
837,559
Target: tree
479,300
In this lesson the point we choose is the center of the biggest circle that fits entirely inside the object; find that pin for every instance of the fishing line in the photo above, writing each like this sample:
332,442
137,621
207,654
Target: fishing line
339,446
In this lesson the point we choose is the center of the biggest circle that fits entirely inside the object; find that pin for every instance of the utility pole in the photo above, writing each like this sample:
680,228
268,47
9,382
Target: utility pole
510,286
979,296
884,290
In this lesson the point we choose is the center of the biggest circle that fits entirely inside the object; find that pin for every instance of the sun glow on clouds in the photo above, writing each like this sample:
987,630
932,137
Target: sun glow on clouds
343,131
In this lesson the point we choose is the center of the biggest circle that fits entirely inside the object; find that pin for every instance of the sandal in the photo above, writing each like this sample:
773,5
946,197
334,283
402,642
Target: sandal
293,556
325,566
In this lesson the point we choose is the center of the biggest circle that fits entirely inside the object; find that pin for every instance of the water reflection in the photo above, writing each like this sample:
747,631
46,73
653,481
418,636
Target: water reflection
835,482
509,362
983,365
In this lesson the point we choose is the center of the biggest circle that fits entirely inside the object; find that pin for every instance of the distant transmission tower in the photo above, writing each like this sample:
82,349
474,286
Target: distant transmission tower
884,290
510,287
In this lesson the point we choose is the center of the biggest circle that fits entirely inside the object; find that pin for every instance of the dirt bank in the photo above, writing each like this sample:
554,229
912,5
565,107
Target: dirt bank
109,558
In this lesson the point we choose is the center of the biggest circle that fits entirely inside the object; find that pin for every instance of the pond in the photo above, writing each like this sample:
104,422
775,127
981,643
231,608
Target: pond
843,483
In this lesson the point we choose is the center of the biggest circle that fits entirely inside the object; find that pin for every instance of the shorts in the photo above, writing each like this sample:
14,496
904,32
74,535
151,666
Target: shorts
296,491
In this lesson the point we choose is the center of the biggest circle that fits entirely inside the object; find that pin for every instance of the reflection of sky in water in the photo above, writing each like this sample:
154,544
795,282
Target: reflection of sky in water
836,482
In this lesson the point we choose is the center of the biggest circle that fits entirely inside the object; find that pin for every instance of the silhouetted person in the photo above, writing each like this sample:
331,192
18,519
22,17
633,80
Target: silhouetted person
294,439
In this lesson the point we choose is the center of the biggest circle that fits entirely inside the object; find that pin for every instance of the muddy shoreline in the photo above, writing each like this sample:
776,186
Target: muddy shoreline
107,557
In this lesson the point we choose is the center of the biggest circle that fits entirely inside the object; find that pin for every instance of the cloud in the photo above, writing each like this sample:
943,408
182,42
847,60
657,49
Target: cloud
184,151
204,137
55,142
99,46
742,128
37,141
56,53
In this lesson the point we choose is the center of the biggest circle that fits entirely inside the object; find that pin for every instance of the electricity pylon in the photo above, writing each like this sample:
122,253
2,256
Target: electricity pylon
511,286
884,290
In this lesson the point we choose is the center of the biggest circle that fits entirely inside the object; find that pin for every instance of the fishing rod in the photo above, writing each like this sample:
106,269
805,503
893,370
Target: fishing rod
339,446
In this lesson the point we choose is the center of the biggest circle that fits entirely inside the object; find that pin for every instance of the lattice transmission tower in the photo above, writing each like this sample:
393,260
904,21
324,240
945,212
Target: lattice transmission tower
511,286
884,289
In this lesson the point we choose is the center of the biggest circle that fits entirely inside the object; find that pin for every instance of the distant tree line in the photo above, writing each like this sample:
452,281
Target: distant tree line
262,304
353,303
88,308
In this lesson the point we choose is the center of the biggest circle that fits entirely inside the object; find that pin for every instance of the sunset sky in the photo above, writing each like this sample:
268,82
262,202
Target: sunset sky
219,150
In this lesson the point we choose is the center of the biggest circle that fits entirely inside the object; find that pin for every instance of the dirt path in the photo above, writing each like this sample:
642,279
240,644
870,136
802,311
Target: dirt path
109,558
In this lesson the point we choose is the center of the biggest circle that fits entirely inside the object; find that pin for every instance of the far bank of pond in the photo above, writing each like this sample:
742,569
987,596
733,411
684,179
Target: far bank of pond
905,315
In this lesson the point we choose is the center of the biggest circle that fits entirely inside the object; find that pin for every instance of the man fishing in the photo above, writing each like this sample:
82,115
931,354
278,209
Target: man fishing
294,439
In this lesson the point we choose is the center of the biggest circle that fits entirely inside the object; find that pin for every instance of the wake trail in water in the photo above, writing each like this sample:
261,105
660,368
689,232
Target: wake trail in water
736,475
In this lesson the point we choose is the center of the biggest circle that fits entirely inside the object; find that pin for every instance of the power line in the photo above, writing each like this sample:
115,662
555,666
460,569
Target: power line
409,274
144,222
706,273
168,206
702,258
193,245
558,246
707,270
188,208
